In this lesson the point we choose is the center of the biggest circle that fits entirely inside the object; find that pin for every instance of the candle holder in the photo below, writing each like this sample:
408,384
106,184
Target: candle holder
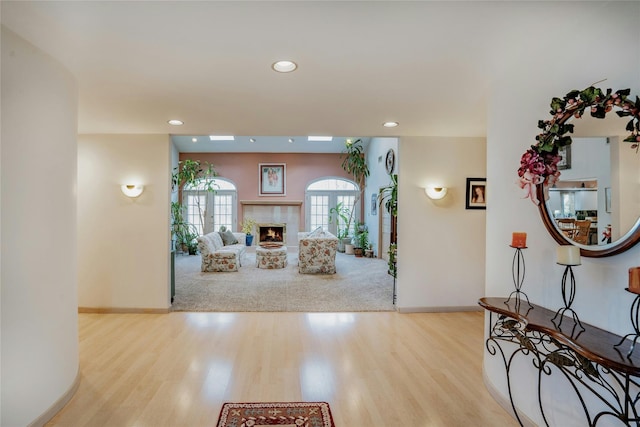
518,272
635,317
568,299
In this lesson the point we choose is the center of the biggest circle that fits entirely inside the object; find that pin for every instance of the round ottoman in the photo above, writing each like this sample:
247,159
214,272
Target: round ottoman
271,257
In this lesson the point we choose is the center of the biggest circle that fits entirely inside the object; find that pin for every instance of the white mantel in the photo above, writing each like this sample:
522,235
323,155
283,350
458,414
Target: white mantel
271,202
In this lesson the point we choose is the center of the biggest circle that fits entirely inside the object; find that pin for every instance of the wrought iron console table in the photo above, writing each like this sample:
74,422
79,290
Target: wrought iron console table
604,377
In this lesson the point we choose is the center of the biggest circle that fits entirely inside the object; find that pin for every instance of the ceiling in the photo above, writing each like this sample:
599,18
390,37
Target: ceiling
262,144
426,65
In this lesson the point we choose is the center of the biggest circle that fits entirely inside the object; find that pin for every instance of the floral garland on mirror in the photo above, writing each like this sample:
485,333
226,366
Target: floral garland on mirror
539,164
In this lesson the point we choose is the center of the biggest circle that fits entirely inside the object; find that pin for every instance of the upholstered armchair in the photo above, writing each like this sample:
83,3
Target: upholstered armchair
220,255
317,252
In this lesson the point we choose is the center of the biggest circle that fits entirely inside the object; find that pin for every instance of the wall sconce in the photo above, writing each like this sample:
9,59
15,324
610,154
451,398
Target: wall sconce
436,193
132,190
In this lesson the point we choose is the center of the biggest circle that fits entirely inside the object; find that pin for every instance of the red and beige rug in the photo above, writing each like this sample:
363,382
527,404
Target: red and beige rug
288,414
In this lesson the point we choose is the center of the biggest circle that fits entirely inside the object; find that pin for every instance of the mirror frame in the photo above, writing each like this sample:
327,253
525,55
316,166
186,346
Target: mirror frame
538,166
624,243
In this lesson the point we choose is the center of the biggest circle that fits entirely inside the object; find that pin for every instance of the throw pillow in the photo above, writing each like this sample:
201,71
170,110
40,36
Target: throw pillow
315,233
228,238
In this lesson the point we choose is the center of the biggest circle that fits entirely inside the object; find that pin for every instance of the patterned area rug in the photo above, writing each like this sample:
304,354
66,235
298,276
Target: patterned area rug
294,414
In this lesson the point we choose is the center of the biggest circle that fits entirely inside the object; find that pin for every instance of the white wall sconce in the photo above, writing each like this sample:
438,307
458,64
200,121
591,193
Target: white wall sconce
132,190
436,193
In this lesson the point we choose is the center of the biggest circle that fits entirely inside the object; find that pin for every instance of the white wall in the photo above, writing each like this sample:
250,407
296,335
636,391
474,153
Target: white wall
39,287
440,244
532,73
124,244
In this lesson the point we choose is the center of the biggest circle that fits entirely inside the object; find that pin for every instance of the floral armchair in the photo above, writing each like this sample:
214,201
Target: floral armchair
317,252
218,256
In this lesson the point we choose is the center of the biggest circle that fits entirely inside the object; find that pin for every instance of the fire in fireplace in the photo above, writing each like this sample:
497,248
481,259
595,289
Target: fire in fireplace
272,233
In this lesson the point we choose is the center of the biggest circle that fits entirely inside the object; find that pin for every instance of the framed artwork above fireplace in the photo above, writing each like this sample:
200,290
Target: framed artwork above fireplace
272,179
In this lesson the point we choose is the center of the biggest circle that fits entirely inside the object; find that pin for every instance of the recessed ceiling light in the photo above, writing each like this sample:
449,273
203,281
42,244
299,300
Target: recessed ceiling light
252,140
390,124
291,140
175,122
194,139
284,66
320,138
221,137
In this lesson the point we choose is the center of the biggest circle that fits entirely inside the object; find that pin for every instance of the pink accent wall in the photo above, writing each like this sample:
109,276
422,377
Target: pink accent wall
301,169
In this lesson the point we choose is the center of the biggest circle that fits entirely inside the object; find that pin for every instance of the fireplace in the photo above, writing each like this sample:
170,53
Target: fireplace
273,233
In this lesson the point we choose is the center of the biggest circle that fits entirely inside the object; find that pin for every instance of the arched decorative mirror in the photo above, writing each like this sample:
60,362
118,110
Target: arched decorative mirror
588,188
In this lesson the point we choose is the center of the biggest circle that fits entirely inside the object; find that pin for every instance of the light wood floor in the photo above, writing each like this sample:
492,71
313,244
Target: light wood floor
374,369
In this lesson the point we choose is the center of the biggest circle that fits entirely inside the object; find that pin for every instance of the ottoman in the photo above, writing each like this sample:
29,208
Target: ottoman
271,257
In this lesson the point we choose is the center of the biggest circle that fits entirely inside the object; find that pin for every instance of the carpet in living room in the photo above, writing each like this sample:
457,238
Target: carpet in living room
360,284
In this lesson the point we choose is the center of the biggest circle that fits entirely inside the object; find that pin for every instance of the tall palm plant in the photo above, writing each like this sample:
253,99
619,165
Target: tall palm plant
355,163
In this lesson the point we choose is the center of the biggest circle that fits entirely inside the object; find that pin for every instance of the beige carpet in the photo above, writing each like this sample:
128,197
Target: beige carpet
360,284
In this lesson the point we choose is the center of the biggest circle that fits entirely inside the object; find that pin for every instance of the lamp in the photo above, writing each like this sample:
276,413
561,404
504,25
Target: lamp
436,193
132,190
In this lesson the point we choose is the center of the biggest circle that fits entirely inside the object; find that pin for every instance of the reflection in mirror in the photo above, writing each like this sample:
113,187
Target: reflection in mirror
601,185
574,206
598,190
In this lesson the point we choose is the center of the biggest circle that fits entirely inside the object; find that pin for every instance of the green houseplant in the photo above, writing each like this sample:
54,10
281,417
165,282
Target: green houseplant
355,163
361,241
198,177
247,228
191,242
389,196
340,215
393,254
185,234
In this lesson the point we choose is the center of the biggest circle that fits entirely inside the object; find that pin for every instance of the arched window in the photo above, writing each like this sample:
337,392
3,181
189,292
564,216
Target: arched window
209,211
326,194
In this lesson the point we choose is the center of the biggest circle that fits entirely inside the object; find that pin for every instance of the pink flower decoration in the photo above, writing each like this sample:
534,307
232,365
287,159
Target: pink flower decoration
528,182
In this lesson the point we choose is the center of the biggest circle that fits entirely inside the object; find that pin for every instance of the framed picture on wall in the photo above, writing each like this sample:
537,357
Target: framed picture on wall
476,193
565,153
374,204
272,179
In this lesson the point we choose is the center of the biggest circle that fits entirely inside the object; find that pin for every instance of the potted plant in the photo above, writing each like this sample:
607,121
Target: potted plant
393,256
178,226
247,228
340,215
191,242
355,163
197,177
368,252
361,241
186,235
389,196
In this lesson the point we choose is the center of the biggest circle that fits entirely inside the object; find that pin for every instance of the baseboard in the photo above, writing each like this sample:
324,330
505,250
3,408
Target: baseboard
115,310
504,402
58,405
445,309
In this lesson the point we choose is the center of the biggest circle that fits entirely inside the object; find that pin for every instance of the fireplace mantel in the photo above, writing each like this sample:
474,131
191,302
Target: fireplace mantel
272,202
276,211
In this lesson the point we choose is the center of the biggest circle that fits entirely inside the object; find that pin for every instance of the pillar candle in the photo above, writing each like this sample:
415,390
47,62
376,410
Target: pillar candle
568,255
519,240
634,279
